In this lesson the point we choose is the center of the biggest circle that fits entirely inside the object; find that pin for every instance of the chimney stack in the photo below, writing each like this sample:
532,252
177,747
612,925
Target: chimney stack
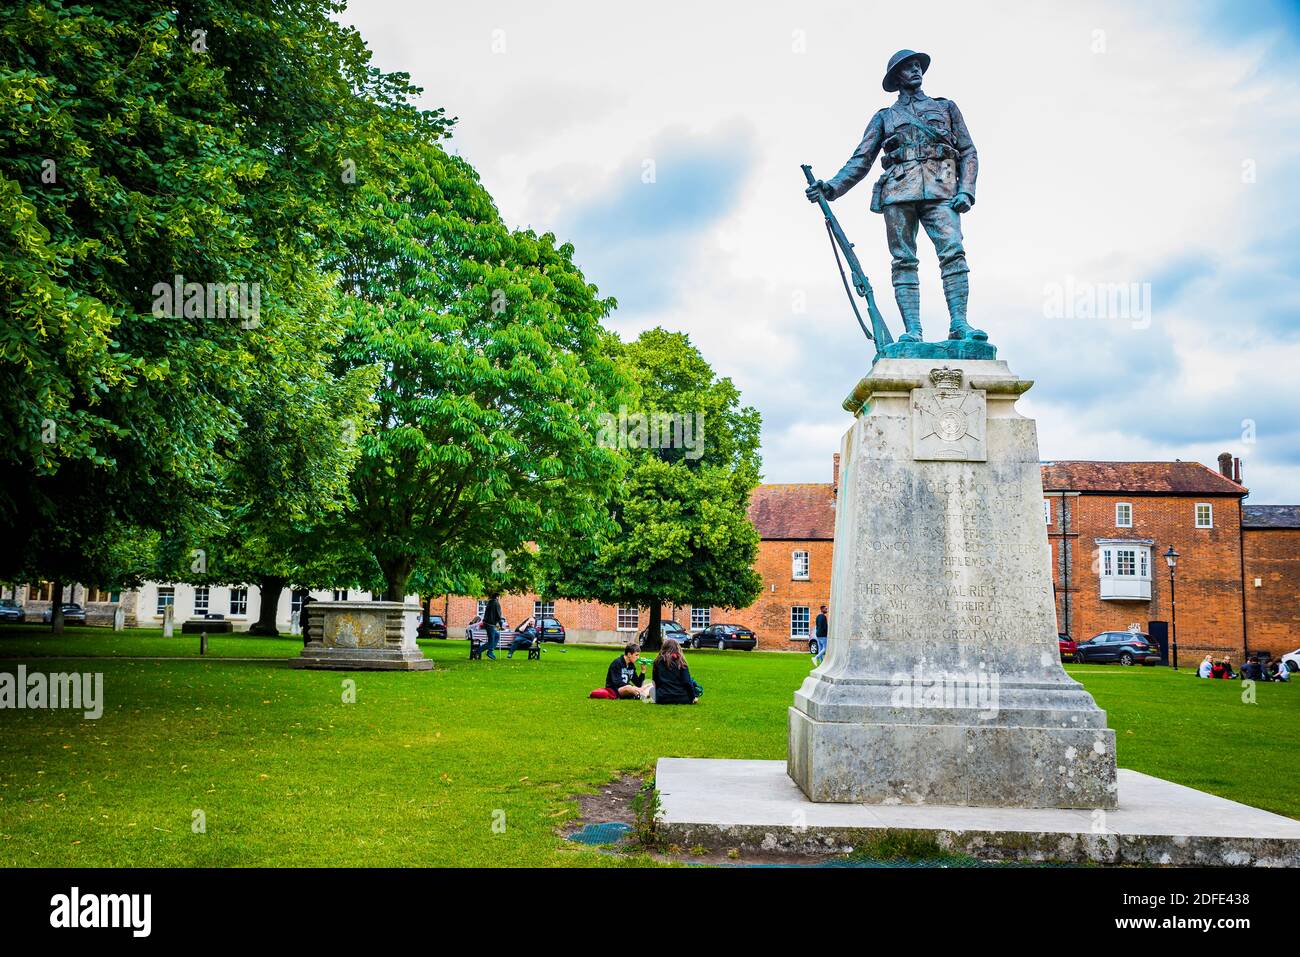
835,475
1236,471
1225,465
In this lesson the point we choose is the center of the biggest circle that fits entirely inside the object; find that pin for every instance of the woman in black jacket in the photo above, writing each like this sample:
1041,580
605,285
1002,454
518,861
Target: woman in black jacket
672,679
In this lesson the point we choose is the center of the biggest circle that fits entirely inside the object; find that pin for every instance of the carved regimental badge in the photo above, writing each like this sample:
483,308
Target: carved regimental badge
948,421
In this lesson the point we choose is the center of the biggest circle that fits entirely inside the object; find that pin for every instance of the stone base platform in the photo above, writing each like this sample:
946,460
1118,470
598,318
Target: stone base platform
361,659
942,349
753,805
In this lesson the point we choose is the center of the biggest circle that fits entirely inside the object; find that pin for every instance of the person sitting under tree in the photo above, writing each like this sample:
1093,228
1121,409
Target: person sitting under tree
626,675
672,679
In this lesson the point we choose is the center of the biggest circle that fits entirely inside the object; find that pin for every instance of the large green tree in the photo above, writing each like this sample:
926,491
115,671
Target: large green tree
215,140
494,368
679,530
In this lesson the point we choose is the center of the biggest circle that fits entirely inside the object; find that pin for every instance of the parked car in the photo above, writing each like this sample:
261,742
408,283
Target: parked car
437,627
10,610
1068,647
722,636
1291,661
814,645
72,614
552,630
667,629
1126,647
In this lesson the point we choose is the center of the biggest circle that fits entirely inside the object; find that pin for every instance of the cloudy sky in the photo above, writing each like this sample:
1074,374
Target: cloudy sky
1156,148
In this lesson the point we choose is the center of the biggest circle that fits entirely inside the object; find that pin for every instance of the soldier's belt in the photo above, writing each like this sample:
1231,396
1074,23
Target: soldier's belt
916,154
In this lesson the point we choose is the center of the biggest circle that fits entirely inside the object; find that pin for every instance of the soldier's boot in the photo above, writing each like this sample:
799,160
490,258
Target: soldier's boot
956,289
909,307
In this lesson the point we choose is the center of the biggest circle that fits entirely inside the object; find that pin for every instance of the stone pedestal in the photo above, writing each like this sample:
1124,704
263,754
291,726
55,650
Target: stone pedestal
943,683
360,636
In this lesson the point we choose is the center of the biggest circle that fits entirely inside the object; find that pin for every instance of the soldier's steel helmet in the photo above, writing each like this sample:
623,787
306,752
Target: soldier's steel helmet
890,82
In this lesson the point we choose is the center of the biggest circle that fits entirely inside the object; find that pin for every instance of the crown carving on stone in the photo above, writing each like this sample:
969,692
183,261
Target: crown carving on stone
946,378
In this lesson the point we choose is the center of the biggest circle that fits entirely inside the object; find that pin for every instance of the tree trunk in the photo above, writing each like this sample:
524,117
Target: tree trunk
654,638
56,608
423,631
270,587
396,575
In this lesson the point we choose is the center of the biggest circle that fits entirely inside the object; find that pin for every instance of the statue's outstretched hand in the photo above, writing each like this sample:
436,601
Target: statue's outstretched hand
818,190
962,202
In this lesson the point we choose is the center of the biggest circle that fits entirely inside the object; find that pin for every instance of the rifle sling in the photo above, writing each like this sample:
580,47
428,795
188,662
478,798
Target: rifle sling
835,247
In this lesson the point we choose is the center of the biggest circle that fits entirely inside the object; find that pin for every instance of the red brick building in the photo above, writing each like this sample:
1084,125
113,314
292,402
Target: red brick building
796,527
1271,553
1110,524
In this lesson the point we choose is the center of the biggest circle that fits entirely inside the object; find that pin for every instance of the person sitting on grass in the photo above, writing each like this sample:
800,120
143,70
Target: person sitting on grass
1217,670
1227,667
1279,671
525,635
672,679
1206,668
624,678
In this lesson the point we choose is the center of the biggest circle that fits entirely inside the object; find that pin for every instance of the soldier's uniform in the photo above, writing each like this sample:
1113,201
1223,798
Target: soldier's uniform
925,169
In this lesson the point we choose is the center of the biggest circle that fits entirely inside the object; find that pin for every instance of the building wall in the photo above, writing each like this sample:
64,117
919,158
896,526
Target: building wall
1208,583
97,603
147,612
1272,589
584,621
769,616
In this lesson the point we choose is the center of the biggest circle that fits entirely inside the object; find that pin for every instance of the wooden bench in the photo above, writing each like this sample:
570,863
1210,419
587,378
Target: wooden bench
477,636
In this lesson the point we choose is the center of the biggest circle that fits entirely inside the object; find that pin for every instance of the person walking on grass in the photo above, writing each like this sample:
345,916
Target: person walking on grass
492,622
821,629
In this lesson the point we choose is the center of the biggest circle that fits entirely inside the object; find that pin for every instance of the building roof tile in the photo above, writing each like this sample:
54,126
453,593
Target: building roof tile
1270,516
803,511
1151,478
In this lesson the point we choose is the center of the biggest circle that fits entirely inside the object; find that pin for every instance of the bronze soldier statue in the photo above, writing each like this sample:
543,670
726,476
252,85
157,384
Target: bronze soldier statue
929,179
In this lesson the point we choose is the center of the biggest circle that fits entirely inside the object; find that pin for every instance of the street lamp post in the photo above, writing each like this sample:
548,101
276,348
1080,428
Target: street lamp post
1171,557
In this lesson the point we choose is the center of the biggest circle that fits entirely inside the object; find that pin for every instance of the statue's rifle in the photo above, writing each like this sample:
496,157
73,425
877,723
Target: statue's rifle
879,332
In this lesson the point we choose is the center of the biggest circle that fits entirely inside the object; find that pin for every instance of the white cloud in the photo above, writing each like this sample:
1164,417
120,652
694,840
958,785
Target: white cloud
1117,166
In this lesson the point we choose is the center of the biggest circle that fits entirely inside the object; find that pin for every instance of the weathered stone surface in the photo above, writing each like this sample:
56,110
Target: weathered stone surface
944,684
360,636
754,806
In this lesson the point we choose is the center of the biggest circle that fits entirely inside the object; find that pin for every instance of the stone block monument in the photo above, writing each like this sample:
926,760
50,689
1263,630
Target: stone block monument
360,636
943,683
941,705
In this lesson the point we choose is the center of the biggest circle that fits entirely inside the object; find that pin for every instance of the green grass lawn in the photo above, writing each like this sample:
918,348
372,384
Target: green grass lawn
35,641
419,768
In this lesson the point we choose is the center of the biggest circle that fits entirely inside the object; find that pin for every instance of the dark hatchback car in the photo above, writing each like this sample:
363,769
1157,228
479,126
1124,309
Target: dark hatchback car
552,630
1126,647
10,610
72,615
725,636
667,629
437,627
